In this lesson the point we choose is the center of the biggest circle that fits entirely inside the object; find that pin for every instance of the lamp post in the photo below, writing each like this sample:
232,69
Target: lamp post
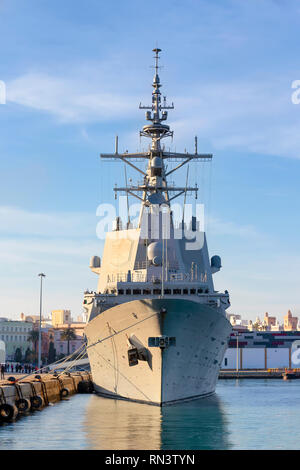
41,275
237,352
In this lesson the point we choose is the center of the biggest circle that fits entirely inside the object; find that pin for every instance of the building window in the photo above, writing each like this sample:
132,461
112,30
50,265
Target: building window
177,291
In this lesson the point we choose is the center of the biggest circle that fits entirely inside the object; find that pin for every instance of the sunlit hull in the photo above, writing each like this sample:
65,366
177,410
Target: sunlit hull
185,370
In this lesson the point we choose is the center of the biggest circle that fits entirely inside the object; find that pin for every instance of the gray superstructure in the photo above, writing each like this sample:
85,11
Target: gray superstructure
157,329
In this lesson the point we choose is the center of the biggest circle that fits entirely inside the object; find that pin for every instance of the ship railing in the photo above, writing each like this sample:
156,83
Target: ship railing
213,299
190,277
146,264
138,276
142,264
124,277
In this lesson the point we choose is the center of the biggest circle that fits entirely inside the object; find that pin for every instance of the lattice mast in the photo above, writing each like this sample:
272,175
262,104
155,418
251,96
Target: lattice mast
155,178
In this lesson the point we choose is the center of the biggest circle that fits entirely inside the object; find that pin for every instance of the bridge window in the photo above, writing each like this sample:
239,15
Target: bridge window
146,291
185,291
200,291
155,171
193,291
167,291
136,291
157,291
121,291
177,291
128,291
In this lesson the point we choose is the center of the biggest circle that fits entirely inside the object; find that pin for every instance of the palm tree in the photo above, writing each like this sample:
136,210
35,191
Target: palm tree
34,337
68,335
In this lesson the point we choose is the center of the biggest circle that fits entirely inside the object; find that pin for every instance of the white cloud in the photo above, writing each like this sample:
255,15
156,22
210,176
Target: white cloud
70,100
255,115
15,221
221,227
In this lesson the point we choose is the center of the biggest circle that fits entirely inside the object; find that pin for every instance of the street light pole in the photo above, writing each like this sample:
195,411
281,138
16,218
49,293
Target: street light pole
41,275
237,352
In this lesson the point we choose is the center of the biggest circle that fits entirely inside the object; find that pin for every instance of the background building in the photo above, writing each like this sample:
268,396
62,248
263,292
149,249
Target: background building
269,321
61,317
15,335
2,352
61,320
261,350
290,322
61,345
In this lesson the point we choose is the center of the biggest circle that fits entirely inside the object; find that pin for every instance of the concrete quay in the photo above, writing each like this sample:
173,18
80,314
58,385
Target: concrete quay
20,394
260,374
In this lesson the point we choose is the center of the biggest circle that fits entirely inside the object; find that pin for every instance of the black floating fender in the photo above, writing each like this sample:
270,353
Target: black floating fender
36,402
64,393
8,412
85,386
23,405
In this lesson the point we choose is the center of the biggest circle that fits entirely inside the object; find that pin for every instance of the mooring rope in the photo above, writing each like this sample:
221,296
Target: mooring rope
121,331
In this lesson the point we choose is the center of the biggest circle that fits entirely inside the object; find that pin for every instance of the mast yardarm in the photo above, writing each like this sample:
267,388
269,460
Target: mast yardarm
155,177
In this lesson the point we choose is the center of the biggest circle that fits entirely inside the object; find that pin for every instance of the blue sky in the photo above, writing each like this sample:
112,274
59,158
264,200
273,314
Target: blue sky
75,73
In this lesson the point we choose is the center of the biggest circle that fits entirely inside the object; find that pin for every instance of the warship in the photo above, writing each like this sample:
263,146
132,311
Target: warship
156,328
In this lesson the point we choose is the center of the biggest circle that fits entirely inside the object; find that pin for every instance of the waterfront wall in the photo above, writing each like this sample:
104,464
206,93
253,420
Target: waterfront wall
258,358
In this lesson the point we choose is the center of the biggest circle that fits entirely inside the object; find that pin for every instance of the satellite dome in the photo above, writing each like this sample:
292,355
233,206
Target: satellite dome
154,253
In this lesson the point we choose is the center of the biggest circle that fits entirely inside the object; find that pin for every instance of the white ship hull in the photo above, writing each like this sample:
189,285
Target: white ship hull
186,370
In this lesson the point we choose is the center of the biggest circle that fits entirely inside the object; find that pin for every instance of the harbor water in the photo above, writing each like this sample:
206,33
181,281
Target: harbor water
243,414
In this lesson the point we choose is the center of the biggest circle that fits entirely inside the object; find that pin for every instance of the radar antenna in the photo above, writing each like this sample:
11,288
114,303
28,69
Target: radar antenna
157,114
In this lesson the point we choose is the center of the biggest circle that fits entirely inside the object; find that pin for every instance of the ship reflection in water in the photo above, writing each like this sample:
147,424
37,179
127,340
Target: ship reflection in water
244,414
116,424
